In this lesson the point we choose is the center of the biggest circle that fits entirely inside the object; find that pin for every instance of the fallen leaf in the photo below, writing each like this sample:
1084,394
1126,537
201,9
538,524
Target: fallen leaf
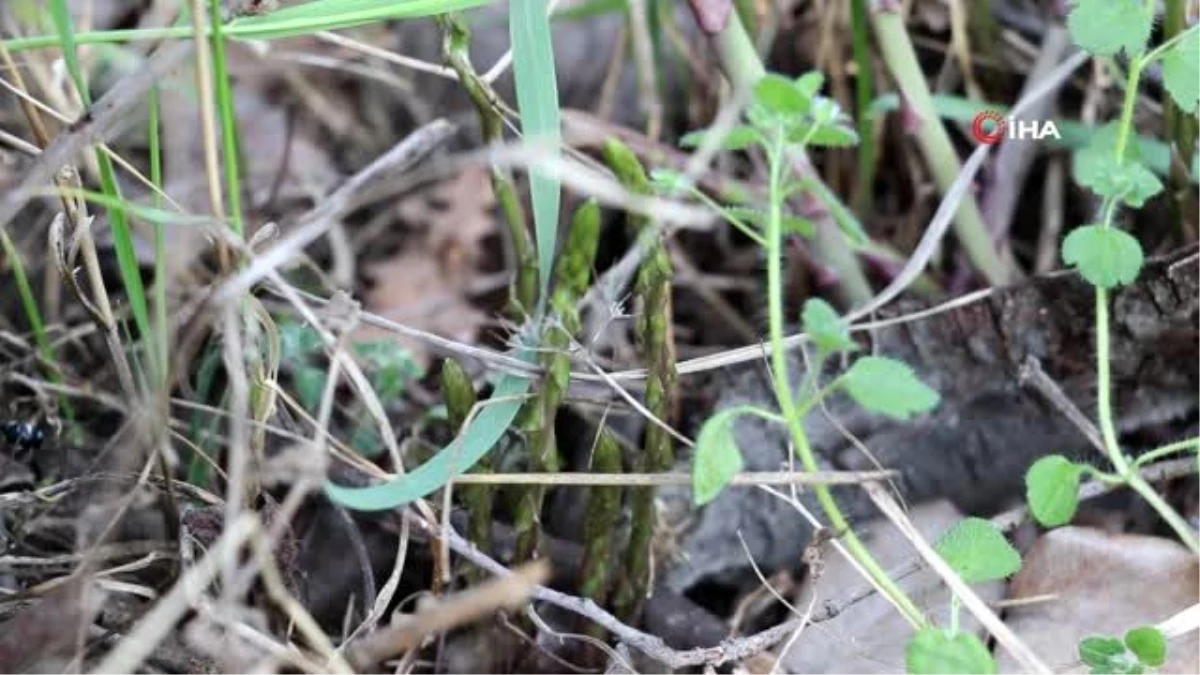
427,284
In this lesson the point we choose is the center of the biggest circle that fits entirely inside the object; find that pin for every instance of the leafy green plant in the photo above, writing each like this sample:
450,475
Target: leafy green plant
1108,257
389,369
978,553
1141,649
786,116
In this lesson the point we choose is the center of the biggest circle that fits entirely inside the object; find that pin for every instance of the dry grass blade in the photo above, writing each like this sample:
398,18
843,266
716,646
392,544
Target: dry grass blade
508,592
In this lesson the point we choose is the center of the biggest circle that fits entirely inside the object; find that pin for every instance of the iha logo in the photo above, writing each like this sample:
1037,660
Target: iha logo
990,128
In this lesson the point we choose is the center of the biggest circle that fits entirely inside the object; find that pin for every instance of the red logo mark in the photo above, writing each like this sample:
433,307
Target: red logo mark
988,127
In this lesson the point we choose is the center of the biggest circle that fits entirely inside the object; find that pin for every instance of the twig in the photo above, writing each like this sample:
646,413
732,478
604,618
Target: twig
97,125
650,645
1032,374
507,592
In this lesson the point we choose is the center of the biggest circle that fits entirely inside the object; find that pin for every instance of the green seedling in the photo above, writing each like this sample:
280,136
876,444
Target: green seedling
1107,257
786,116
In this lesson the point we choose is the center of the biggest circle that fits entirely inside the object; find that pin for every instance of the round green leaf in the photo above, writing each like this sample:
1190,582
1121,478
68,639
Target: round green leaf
1181,73
1101,651
1148,644
717,459
1052,489
1104,27
1105,256
825,328
933,650
978,552
780,95
888,387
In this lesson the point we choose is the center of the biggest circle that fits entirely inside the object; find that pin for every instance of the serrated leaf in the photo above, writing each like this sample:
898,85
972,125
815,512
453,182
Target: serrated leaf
810,83
1099,651
1104,27
1052,490
309,383
1088,163
780,96
826,329
668,181
717,459
1105,256
1181,73
978,552
738,137
888,387
934,651
1148,644
824,135
1130,182
791,224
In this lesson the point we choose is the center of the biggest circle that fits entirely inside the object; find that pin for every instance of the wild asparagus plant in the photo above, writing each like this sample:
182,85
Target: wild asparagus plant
455,48
572,272
459,393
600,524
652,289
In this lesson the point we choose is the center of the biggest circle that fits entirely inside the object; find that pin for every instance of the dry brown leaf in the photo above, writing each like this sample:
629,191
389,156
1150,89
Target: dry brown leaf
426,285
1106,584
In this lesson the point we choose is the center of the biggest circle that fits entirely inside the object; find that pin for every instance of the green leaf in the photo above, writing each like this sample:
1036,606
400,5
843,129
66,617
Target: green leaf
537,100
810,83
1052,489
825,327
310,17
457,458
298,340
668,181
1148,644
1088,163
791,224
933,651
1105,256
738,137
824,135
1181,72
717,459
392,367
978,552
309,383
781,96
1108,655
888,387
1104,27
1130,182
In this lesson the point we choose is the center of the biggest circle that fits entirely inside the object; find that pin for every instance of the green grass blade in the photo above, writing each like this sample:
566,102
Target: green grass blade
28,302
230,148
66,36
481,436
122,234
537,100
160,341
303,19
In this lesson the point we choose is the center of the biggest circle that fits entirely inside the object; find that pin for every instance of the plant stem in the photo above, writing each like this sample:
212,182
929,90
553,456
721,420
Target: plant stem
863,93
935,144
743,68
1166,450
1108,432
1108,429
787,404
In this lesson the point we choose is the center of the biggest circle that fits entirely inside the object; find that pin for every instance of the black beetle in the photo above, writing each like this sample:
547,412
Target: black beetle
23,435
